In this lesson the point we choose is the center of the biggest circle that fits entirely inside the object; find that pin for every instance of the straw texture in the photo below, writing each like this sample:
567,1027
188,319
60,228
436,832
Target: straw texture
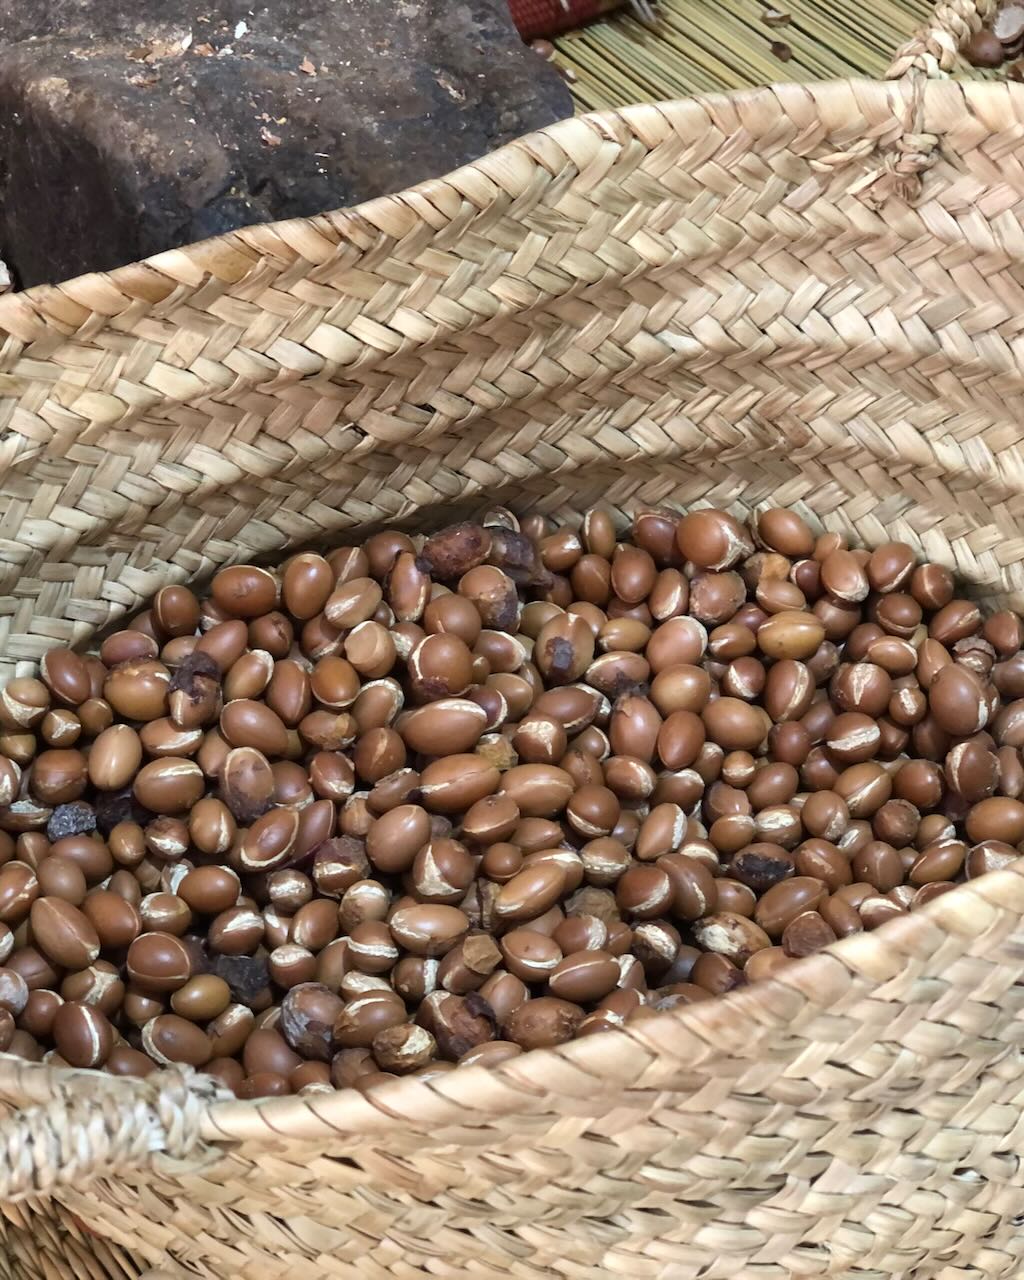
710,46
796,295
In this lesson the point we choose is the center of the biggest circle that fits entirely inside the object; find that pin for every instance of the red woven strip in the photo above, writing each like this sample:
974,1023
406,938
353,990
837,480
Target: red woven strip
536,18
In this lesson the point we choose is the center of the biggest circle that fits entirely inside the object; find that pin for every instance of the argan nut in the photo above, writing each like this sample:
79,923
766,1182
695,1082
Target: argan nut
169,1039
938,862
396,837
805,934
467,966
957,701
694,893
985,856
490,820
98,985
244,591
314,924
170,785
269,842
841,916
440,666
454,783
61,878
441,872
563,649
23,704
246,723
490,1054
125,1061
19,888
543,1023
82,1034
785,901
429,930
158,962
138,1007
530,893
230,1030
644,892
361,1019
362,901
996,818
58,777
735,725
115,757
308,1014
36,1018
246,787
985,50
761,865
210,890
116,920
456,550
713,539
64,933
403,1048
529,955
290,965
64,673
306,583
14,989
457,1023
32,967
60,728
765,964
730,935
202,998
445,727
584,976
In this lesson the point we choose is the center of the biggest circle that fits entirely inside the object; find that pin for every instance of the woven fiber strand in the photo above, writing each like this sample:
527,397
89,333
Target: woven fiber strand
48,1242
803,295
710,46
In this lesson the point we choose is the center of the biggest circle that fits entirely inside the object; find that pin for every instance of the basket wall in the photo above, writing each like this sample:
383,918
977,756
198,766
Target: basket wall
664,304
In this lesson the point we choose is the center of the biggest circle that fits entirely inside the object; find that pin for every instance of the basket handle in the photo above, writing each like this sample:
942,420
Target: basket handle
932,51
63,1132
896,165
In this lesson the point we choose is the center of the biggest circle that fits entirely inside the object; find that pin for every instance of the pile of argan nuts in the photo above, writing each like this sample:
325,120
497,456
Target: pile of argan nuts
427,802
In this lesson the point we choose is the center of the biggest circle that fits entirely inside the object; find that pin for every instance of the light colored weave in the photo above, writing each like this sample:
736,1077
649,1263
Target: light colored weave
799,295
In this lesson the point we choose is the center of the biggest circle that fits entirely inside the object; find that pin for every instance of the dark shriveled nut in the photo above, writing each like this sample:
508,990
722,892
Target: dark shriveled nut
455,550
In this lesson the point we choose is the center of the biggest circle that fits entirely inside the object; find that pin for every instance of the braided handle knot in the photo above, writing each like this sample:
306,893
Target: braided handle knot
83,1133
930,54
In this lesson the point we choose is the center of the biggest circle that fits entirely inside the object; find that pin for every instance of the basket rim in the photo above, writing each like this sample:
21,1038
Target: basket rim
870,958
472,1096
234,255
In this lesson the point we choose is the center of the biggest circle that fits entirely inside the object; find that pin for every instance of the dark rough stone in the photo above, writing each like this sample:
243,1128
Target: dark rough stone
73,819
117,142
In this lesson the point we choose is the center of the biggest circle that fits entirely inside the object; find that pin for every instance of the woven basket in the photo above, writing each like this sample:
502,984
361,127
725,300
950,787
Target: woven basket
793,295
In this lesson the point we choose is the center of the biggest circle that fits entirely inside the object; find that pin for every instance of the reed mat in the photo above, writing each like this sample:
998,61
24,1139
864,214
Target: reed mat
702,46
